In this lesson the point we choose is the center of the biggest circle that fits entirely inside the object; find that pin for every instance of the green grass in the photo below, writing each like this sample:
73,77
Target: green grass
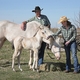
6,72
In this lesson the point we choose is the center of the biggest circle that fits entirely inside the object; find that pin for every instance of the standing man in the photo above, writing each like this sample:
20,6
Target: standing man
44,21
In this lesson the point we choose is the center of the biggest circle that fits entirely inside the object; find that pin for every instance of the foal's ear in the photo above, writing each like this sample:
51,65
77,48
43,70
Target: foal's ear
51,37
60,36
41,27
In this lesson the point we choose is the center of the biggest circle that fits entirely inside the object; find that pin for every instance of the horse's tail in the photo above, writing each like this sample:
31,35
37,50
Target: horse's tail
12,45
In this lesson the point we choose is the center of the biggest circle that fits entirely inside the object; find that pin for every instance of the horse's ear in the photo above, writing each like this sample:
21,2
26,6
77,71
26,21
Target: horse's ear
51,37
60,36
41,27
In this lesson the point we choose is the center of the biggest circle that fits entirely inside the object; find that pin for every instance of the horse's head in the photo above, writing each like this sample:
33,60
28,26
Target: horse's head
55,47
43,33
46,32
51,41
56,51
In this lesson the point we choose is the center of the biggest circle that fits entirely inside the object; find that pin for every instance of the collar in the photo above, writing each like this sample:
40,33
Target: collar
39,16
65,28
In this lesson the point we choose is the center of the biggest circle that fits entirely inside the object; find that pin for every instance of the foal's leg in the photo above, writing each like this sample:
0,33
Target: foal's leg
18,57
35,62
31,57
13,58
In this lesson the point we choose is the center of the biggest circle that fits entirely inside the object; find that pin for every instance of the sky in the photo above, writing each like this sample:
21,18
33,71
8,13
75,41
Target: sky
20,10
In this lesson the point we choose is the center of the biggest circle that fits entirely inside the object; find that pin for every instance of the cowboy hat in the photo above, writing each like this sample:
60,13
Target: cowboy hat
62,19
37,8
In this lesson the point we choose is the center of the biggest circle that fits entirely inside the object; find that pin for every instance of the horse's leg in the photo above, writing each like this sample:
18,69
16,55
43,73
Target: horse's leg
36,57
31,57
2,42
13,58
35,62
18,57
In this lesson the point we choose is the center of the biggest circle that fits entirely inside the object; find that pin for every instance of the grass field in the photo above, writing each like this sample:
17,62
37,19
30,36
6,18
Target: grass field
6,72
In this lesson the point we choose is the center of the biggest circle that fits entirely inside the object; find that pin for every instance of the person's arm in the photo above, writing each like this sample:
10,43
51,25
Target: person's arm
74,34
32,19
57,33
23,25
48,22
73,37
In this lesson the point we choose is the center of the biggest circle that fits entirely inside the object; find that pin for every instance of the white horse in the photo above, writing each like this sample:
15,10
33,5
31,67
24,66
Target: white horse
9,31
55,47
33,44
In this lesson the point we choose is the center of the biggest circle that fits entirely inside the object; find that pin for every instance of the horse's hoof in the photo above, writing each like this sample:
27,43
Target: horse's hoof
38,71
33,70
14,70
21,70
30,68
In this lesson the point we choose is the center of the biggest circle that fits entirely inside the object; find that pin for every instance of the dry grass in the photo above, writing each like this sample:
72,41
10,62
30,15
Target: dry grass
6,72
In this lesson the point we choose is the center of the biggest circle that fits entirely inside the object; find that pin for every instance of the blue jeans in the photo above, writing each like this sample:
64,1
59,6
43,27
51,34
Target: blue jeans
41,53
73,48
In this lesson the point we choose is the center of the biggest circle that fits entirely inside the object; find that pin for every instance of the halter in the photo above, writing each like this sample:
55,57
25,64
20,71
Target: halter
56,52
53,52
51,56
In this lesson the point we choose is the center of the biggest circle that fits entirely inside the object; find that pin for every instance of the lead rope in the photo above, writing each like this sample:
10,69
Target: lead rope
49,54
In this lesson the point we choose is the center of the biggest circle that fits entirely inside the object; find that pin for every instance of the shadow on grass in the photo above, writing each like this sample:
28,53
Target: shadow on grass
51,66
7,64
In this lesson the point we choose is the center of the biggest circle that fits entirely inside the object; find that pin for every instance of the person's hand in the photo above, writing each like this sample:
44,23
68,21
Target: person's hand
23,25
67,43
